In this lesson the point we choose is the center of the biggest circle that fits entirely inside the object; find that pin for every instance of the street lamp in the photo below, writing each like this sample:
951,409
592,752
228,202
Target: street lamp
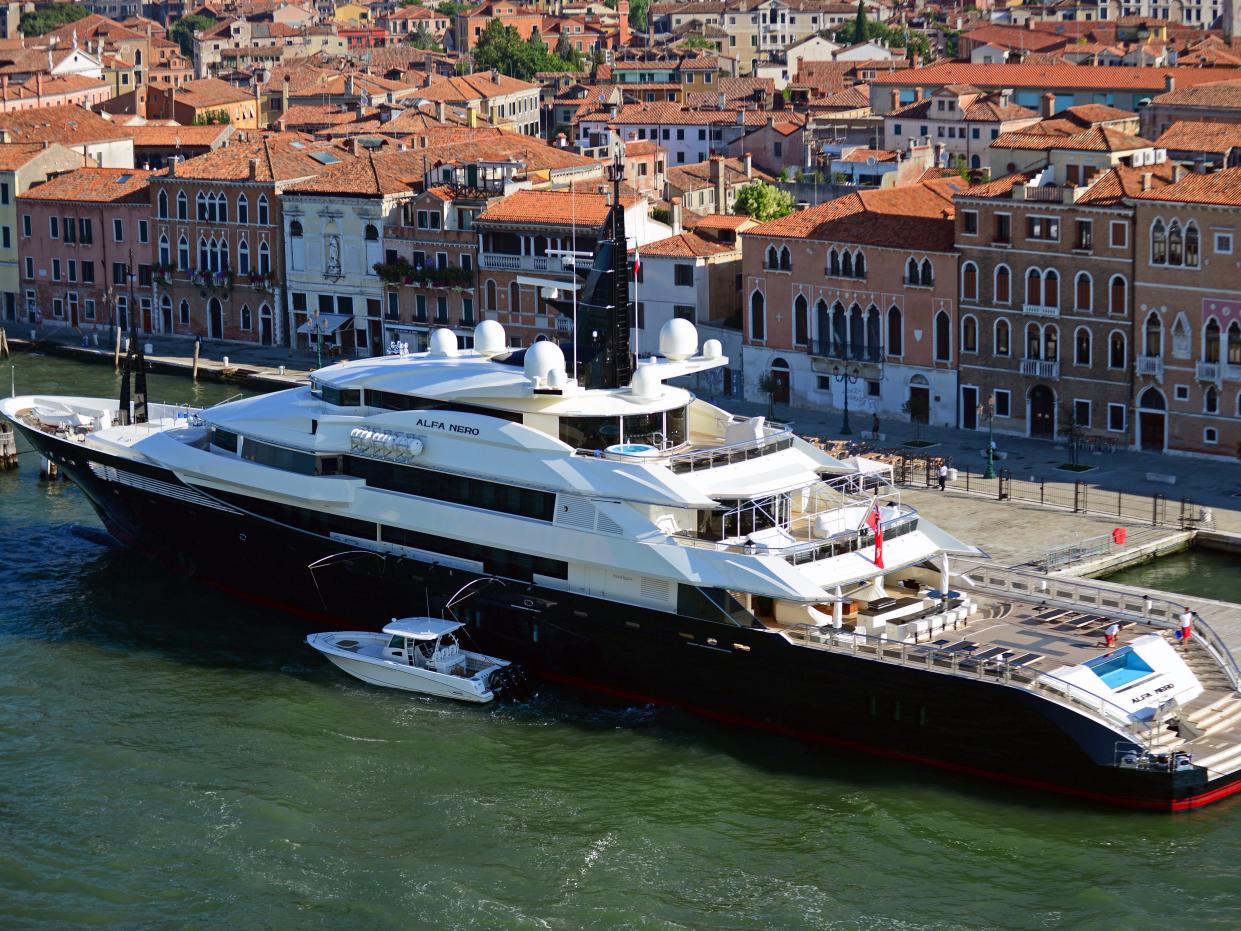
317,329
846,377
988,410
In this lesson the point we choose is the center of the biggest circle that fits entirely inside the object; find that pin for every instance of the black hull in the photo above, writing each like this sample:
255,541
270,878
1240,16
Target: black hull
737,675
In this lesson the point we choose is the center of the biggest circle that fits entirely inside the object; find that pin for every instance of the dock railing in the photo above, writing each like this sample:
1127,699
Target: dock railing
1156,611
925,657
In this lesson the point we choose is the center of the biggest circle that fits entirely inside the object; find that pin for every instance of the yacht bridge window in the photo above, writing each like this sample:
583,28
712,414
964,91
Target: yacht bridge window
661,429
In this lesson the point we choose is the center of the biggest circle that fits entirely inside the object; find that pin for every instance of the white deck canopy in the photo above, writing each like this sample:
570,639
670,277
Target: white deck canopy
420,628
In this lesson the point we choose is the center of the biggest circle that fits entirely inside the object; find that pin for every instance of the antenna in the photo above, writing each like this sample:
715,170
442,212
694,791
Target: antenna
573,260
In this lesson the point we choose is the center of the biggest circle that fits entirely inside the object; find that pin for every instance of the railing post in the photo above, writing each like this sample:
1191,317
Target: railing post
967,480
1155,509
1042,490
1077,492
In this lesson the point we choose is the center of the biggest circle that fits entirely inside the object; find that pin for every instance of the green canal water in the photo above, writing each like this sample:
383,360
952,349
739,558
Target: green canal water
170,758
1196,571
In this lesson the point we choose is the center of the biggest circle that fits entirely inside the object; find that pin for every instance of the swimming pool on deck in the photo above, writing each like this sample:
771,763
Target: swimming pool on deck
1120,668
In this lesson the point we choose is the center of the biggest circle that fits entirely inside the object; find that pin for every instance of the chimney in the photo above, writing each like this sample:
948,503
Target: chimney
676,217
717,183
172,167
749,165
349,85
723,100
254,169
1178,172
1169,83
741,117
439,110
919,93
471,113
428,80
38,85
1030,24
284,94
495,76
1047,105
1146,180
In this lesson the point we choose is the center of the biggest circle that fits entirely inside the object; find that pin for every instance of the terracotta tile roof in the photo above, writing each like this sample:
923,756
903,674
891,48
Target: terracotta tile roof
685,246
722,221
1120,182
854,98
69,125
95,185
1015,37
1219,188
211,92
154,134
549,208
864,156
15,154
697,175
478,86
1097,139
1053,77
916,216
1220,93
369,175
279,157
999,187
1192,136
642,147
322,115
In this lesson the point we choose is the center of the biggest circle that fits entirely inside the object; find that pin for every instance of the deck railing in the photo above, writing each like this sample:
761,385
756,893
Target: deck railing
1155,611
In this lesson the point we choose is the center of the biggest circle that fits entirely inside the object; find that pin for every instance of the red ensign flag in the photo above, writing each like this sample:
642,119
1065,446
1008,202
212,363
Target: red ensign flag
872,521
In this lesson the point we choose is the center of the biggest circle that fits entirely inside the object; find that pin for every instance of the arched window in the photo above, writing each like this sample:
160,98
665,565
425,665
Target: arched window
786,259
514,298
874,339
1003,285
183,313
801,321
223,260
856,334
182,206
840,332
833,263
1117,351
1181,338
1051,343
1003,338
1034,286
969,333
490,292
1152,400
928,274
1051,288
1081,346
1034,341
297,247
162,205
969,282
1210,341
373,256
1176,244
247,322
846,265
243,258
1153,336
1159,243
243,208
911,272
264,219
1118,295
1191,244
1234,343
943,337
264,259
773,257
183,253
200,206
896,335
758,317
204,256
165,250
859,265
221,207
1083,292
1210,401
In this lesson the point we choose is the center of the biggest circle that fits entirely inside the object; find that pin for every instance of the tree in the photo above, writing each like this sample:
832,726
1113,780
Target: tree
638,10
701,42
763,202
918,407
38,22
500,47
564,50
423,39
1073,432
183,31
859,24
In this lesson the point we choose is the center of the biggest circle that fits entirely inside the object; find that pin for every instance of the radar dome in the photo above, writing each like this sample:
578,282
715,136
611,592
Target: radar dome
678,339
646,382
489,338
712,349
543,358
443,342
557,378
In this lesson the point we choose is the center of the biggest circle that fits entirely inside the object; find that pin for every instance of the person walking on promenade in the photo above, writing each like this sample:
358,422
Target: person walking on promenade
1112,630
943,475
1187,625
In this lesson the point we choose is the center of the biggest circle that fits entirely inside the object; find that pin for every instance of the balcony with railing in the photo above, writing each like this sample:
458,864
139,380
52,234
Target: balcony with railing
1040,368
832,348
503,261
1040,310
1150,365
1207,371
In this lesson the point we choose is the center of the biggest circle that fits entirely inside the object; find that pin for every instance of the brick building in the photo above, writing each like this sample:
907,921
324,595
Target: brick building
85,248
856,295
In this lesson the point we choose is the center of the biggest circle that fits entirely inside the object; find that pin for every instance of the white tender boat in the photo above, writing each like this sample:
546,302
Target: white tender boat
417,654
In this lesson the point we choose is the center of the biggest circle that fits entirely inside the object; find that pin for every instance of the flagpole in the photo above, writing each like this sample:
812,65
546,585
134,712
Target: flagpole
573,260
633,328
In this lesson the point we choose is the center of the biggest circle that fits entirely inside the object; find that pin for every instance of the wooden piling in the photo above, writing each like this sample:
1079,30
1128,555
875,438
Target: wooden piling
8,446
4,344
116,352
47,469
194,375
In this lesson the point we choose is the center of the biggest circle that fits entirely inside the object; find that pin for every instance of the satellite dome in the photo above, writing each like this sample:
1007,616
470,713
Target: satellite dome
543,358
443,342
678,339
712,349
489,338
646,382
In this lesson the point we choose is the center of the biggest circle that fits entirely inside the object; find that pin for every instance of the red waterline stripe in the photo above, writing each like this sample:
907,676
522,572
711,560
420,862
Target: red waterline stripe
1127,801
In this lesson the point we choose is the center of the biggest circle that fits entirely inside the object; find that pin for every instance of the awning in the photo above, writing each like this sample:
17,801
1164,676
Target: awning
325,323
